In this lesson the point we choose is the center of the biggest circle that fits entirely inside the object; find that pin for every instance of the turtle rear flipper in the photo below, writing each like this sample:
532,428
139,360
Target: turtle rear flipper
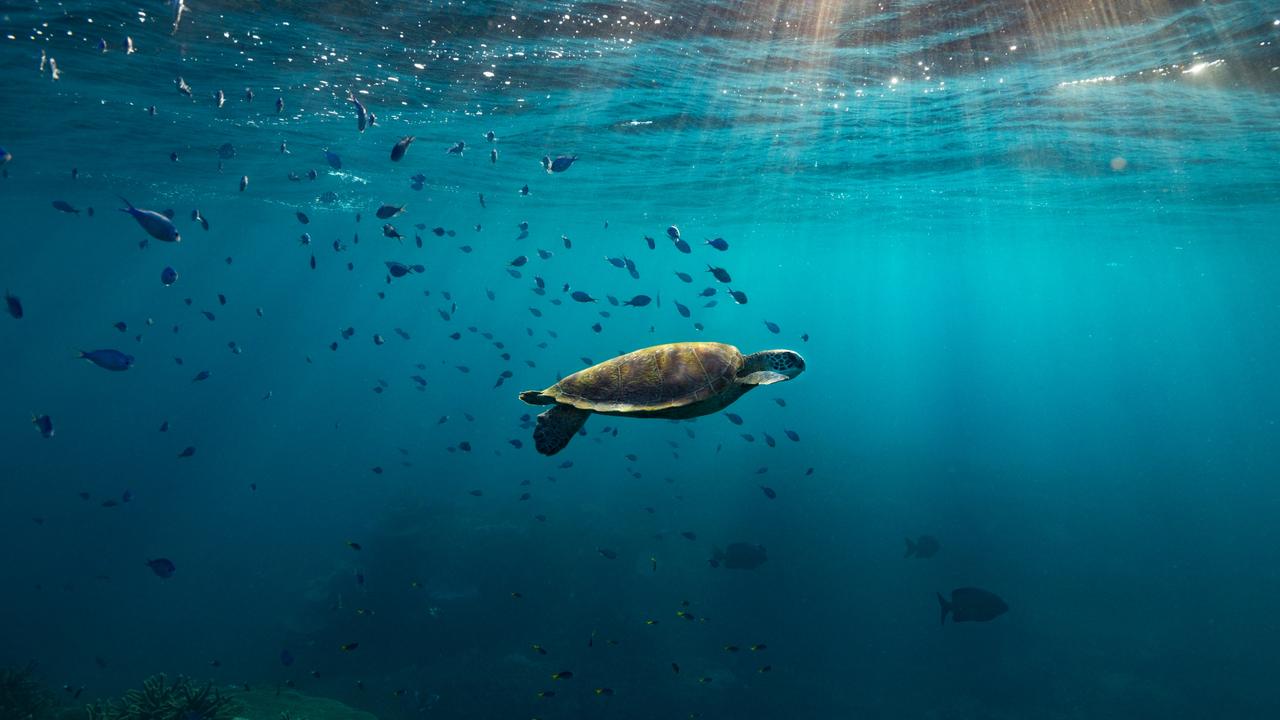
556,427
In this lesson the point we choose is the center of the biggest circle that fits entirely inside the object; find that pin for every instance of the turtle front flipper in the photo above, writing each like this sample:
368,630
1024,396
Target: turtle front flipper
556,427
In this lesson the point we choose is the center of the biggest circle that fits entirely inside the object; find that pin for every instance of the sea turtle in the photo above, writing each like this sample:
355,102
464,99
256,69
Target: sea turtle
673,381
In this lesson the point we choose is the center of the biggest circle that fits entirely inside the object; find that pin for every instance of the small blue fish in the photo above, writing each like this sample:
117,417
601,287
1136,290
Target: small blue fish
638,301
560,164
168,276
201,376
162,567
113,360
44,424
157,225
582,297
719,244
332,158
14,306
398,151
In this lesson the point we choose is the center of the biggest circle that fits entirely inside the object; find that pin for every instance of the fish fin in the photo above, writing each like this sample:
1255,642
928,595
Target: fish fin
763,377
129,209
911,548
944,607
556,427
535,397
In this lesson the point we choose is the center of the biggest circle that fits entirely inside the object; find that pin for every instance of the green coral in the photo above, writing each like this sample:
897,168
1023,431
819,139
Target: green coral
160,699
22,697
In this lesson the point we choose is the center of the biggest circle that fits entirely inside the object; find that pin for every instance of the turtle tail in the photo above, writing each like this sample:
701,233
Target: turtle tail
556,427
535,397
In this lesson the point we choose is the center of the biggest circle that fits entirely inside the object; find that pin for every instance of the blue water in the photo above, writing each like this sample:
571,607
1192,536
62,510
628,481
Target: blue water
1029,255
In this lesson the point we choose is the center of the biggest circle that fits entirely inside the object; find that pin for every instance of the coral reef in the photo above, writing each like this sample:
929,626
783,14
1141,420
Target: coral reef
22,697
160,699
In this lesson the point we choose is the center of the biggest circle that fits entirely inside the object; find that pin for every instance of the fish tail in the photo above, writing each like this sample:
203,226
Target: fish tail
129,209
911,548
944,607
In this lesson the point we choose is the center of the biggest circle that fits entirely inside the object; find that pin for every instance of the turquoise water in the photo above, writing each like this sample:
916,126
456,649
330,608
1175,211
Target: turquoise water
1028,256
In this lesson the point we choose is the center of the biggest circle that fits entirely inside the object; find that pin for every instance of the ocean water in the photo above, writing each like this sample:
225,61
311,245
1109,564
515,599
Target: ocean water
1028,253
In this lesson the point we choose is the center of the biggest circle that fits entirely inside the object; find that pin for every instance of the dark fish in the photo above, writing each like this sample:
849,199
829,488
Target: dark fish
773,327
686,277
738,296
302,217
187,452
334,160
519,261
560,164
768,492
683,310
14,306
638,301
719,244
162,567
682,246
720,273
734,418
362,114
64,206
650,241
44,424
924,547
971,605
673,232
792,434
689,535
616,262
286,658
582,297
201,376
156,224
389,230
113,360
739,556
607,554
168,276
768,439
708,292
399,270
568,244
244,182
457,148
545,254
389,211
402,145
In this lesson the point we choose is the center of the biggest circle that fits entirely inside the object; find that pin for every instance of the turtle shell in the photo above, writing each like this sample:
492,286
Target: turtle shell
653,379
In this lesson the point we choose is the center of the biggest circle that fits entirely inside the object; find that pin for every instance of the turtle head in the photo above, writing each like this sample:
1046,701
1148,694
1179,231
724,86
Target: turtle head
770,366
